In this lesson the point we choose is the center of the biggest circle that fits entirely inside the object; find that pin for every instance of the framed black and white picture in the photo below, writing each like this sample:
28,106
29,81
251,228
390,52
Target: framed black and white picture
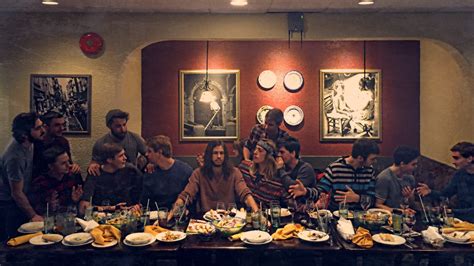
209,105
350,104
69,95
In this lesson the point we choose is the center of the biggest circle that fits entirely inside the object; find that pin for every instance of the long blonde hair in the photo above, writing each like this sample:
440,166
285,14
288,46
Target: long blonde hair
269,166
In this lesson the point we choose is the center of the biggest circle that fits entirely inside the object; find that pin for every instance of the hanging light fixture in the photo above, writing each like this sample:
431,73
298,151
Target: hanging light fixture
49,2
366,2
239,2
207,96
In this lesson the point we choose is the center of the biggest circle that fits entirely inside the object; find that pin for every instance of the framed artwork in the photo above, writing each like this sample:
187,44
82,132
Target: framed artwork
350,104
209,112
69,95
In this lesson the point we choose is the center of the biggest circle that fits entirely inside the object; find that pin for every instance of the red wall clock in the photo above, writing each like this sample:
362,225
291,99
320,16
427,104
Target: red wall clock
91,43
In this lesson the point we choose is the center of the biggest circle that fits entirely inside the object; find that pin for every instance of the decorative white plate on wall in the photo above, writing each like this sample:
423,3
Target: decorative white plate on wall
267,79
262,112
293,115
293,80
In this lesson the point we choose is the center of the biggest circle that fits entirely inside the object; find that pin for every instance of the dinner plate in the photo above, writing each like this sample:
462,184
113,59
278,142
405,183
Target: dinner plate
107,244
67,244
31,227
350,215
464,240
376,210
162,236
293,115
127,239
307,235
256,237
267,79
293,80
200,227
324,212
207,216
39,241
397,240
262,112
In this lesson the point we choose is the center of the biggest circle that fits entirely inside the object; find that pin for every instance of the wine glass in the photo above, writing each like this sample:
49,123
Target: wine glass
309,207
232,209
404,204
410,220
365,204
292,209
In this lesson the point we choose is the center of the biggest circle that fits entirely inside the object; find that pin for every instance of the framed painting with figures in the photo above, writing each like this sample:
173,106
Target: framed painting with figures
350,104
209,105
69,95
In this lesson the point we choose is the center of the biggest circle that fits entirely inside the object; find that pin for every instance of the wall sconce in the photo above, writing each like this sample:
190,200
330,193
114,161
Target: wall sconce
366,2
49,2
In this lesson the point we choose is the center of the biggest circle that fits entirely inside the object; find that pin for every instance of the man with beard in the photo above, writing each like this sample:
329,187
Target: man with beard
216,181
17,167
462,183
132,143
270,130
54,126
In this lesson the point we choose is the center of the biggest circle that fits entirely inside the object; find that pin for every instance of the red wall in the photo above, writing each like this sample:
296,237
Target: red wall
398,60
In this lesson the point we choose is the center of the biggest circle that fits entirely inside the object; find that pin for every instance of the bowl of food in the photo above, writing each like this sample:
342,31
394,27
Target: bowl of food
229,226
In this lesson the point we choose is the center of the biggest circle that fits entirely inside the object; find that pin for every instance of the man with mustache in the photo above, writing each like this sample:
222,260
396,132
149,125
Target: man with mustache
132,143
216,181
17,167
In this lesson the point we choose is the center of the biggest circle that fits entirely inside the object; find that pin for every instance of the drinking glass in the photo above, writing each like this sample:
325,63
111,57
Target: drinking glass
88,212
275,212
220,206
343,211
69,224
48,224
163,216
256,220
323,223
263,220
177,211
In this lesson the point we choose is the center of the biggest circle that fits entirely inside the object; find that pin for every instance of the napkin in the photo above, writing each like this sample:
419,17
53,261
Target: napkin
432,236
289,231
87,225
235,237
154,229
362,238
459,226
22,239
345,228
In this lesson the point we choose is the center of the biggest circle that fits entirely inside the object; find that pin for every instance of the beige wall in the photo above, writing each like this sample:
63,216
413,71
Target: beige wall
48,43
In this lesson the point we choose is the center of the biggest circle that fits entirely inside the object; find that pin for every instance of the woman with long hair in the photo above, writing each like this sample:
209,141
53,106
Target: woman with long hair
266,179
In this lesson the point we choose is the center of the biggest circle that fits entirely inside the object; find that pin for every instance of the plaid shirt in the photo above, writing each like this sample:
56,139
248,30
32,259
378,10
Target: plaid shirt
44,186
257,133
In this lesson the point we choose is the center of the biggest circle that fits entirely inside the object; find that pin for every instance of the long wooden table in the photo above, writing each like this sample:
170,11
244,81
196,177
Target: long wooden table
219,250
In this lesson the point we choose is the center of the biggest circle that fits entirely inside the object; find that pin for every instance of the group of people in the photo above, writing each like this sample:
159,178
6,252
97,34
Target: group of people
38,173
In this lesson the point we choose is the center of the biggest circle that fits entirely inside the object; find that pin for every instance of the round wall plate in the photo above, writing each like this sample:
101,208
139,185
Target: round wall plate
262,112
293,80
293,115
267,79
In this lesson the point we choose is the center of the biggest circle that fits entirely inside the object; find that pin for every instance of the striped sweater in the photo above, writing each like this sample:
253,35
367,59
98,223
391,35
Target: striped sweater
266,190
340,174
